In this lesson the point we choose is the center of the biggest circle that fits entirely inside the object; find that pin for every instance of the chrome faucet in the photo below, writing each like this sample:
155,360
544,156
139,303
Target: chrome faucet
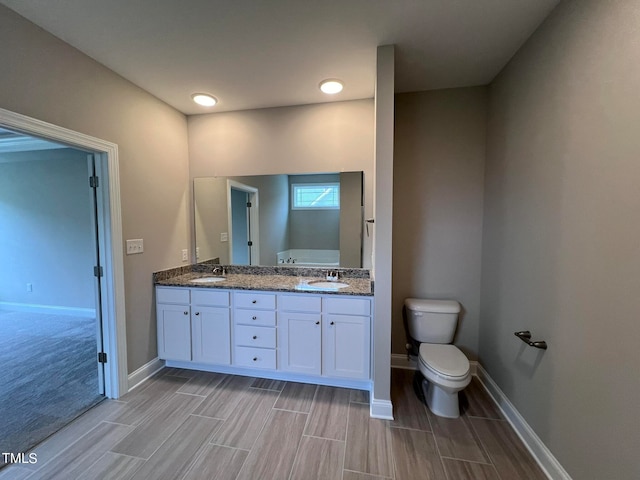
219,271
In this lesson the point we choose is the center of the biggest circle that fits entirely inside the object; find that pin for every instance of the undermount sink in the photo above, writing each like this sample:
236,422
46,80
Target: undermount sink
321,285
208,280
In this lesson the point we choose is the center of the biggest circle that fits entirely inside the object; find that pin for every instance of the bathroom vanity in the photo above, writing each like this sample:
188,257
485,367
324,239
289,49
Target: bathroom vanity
267,325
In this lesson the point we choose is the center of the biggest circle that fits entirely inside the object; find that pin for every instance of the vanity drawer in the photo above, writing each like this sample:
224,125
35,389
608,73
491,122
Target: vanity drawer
255,300
212,298
348,306
255,357
250,336
300,303
255,317
172,295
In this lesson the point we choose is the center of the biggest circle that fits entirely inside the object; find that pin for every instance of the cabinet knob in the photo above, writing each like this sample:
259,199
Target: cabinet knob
255,336
332,323
186,313
318,323
254,318
255,359
197,313
254,301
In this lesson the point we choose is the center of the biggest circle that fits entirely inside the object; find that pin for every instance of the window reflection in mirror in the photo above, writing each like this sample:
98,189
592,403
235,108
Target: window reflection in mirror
251,220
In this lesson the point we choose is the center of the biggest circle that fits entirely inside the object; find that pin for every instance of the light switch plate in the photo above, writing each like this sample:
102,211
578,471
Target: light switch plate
224,237
135,246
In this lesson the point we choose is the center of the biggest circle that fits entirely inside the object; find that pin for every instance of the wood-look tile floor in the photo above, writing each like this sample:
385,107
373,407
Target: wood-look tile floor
188,425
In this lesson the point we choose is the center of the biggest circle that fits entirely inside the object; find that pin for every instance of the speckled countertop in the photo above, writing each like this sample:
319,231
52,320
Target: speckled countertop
278,279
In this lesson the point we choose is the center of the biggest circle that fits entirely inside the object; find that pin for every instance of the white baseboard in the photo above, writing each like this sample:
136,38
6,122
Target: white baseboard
144,372
49,309
536,447
532,442
381,409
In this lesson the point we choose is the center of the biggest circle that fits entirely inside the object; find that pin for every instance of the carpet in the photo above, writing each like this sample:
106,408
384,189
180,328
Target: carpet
48,375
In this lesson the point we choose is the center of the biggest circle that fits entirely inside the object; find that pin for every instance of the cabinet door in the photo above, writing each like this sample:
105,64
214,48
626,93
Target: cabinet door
299,342
174,332
346,346
211,335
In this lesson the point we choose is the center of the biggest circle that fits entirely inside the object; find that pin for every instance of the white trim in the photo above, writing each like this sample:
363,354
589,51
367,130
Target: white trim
113,297
536,447
401,361
49,309
145,372
381,409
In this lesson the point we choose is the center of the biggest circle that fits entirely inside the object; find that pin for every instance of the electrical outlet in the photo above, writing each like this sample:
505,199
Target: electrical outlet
135,246
29,287
185,255
197,253
224,237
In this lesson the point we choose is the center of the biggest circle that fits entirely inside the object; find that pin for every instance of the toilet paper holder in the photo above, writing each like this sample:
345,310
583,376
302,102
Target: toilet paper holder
525,336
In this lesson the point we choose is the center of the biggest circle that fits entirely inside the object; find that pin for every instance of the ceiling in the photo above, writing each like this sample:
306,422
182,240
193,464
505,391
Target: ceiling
265,53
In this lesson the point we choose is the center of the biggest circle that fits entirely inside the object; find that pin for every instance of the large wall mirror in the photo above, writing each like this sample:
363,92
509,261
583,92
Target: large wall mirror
303,220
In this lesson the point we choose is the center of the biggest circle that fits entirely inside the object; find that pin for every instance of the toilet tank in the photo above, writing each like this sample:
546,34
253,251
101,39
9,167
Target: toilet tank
432,321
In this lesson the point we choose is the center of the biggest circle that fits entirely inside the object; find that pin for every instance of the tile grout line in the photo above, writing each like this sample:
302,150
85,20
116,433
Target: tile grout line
485,448
304,429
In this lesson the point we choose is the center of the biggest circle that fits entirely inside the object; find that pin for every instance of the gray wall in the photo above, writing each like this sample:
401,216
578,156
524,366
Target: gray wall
437,205
46,229
47,79
314,229
561,236
329,137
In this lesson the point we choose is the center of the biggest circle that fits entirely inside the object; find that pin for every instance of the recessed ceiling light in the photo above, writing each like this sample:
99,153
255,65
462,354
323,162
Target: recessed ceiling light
331,86
204,99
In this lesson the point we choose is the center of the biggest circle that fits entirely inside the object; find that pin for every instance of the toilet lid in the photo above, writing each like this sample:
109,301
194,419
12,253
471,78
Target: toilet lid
444,359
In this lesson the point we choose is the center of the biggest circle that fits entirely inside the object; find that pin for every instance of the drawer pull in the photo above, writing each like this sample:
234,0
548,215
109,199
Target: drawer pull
255,359
318,322
332,323
254,318
197,313
255,336
254,301
186,313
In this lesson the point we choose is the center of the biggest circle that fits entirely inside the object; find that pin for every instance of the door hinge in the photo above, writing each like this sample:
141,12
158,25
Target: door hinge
250,243
97,271
248,204
102,357
93,181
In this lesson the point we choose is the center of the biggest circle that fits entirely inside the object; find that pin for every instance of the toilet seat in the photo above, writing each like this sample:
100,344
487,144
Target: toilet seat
446,361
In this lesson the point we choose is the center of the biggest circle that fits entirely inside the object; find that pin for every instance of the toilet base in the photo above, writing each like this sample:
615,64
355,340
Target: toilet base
440,402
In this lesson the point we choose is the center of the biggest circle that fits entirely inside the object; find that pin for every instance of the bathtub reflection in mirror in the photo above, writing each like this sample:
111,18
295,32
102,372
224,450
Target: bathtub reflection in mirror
303,220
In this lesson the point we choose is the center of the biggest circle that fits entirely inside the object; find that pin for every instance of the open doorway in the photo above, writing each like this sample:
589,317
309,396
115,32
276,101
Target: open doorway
50,309
243,215
111,366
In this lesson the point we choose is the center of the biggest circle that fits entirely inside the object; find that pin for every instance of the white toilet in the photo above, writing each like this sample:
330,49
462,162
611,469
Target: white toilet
445,368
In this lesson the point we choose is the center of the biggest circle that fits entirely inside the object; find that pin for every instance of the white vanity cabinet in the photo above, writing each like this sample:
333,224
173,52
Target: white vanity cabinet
174,323
193,325
325,335
254,330
304,337
210,326
300,334
347,338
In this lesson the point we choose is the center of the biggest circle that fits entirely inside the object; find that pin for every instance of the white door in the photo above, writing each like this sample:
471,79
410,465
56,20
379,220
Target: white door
211,335
346,346
174,332
300,342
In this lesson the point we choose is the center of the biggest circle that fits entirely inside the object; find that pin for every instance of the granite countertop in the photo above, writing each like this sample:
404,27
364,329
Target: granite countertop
266,282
